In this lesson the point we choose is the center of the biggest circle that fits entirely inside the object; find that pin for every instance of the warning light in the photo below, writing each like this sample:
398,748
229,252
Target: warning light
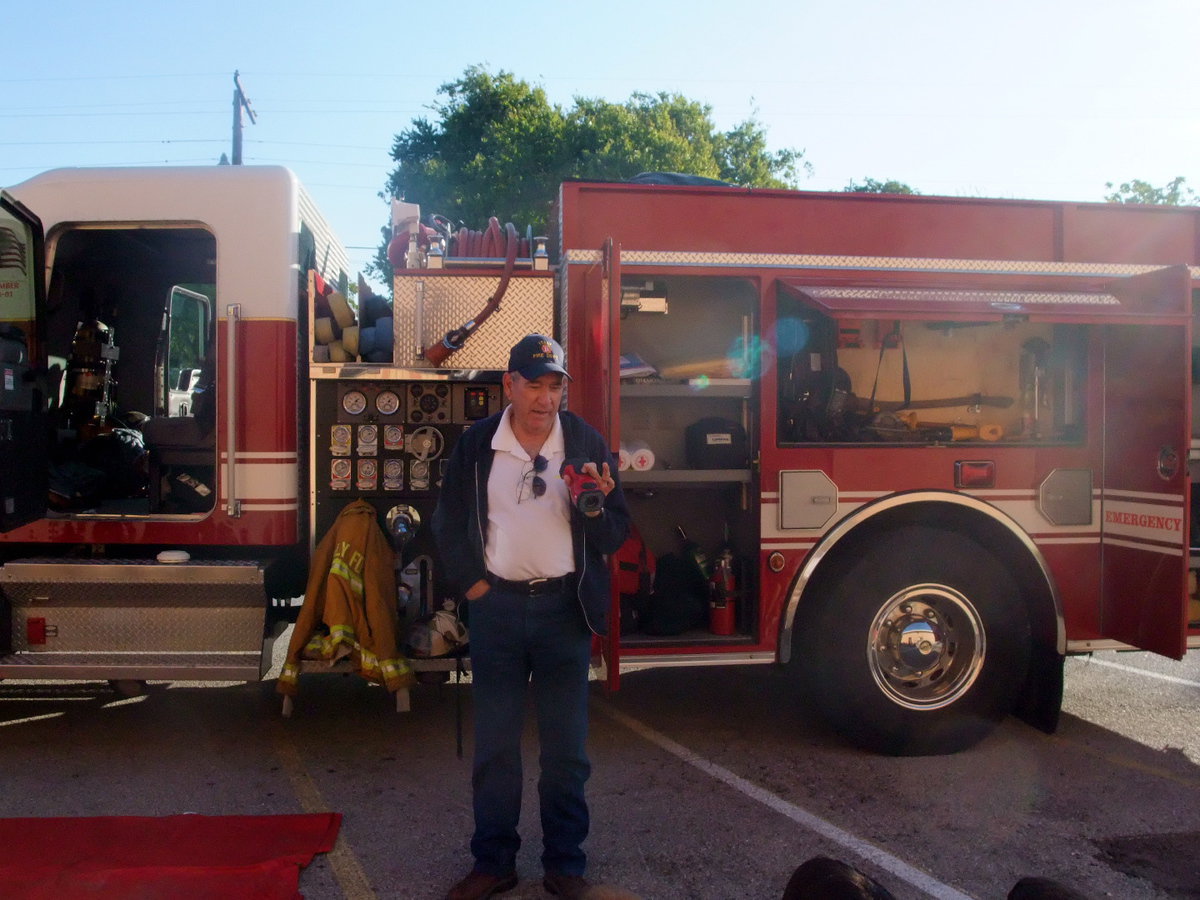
475,403
974,474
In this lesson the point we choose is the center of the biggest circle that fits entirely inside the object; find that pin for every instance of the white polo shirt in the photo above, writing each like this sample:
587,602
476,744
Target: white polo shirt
527,537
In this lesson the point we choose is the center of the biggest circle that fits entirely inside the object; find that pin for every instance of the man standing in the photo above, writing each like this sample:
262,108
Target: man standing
531,564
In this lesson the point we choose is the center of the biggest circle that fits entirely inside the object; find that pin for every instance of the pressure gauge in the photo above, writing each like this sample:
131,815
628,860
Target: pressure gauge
354,402
387,402
339,475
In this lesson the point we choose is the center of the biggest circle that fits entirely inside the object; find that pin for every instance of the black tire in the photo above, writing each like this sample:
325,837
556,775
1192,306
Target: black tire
917,644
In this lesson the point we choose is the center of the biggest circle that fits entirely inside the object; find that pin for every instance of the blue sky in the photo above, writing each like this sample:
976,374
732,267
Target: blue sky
1046,99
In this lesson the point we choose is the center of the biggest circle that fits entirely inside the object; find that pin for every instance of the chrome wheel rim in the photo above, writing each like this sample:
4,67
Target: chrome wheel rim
926,646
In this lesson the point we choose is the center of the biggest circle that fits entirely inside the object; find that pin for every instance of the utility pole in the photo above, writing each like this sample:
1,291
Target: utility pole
240,101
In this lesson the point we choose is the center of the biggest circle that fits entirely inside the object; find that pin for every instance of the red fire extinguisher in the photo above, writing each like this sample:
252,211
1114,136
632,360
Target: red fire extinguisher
722,590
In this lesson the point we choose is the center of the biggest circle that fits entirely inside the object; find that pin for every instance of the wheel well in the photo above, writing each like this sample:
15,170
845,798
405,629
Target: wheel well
1019,557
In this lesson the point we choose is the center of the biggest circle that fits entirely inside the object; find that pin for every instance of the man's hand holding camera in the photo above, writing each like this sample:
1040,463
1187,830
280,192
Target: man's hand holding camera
588,485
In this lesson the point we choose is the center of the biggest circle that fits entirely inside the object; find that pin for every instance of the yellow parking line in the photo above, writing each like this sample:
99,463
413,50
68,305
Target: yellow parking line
346,868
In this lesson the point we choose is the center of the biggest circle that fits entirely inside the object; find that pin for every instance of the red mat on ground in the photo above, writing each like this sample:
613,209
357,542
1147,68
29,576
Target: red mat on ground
187,857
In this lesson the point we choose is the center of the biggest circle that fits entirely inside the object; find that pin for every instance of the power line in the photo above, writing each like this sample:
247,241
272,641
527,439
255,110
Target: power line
129,162
111,105
91,143
109,115
187,141
107,77
307,144
274,160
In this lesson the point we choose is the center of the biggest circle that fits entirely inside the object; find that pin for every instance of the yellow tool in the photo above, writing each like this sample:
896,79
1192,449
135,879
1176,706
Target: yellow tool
952,432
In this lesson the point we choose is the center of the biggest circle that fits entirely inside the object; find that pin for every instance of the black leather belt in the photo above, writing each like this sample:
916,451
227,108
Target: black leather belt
532,588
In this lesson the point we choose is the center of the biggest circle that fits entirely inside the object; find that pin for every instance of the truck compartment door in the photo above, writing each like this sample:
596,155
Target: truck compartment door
22,396
1144,486
603,293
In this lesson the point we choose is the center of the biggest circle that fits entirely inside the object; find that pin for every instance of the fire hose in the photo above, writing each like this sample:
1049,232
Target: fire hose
491,242
484,244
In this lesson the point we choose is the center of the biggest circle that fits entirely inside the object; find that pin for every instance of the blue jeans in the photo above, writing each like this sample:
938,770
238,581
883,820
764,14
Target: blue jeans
516,641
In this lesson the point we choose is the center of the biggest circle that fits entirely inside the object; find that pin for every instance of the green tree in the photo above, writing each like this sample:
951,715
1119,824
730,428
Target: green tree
1174,193
875,186
745,160
669,133
648,132
496,149
497,146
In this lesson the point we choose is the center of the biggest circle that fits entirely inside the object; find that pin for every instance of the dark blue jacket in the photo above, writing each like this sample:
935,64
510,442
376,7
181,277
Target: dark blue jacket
460,521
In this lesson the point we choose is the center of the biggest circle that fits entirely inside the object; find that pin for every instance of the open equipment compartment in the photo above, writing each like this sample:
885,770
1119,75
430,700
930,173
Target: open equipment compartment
695,333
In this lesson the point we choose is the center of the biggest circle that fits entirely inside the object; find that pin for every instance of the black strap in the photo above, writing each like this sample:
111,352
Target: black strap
906,380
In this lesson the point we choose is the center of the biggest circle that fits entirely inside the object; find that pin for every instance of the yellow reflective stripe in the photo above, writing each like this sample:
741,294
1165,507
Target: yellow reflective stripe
393,673
352,578
396,666
318,643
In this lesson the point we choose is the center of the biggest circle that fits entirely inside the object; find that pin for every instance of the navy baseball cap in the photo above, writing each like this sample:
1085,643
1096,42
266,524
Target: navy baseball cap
536,354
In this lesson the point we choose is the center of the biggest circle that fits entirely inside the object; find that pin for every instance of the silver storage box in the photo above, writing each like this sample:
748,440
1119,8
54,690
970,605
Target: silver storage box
426,306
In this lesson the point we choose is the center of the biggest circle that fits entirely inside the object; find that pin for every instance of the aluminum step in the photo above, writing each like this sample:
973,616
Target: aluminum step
131,666
133,619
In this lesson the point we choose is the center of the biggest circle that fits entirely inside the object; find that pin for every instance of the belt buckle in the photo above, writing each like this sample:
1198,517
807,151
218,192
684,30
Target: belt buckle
535,582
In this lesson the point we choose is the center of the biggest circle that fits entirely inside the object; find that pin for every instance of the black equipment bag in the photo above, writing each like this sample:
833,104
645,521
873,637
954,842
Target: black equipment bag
716,443
679,601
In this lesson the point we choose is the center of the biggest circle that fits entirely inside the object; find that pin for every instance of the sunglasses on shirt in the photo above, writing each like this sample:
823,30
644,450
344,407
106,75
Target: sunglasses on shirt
537,486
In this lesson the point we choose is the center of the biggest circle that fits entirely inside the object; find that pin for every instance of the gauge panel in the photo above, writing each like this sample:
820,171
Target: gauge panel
367,401
429,403
387,440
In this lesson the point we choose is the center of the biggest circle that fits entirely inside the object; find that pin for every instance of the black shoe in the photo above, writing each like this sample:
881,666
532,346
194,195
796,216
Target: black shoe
480,886
569,887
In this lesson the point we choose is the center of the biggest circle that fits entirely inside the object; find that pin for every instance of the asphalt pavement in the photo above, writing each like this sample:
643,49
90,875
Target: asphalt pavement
708,783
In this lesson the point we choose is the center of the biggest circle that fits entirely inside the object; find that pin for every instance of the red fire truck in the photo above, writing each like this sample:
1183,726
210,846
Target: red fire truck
968,423
930,445
155,401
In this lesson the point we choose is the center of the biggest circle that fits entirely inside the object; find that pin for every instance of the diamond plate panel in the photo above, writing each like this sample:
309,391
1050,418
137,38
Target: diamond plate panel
424,309
668,258
186,608
139,666
1021,298
129,571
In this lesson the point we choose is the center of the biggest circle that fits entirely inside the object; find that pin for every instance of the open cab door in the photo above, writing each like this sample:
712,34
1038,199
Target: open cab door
22,393
1144,492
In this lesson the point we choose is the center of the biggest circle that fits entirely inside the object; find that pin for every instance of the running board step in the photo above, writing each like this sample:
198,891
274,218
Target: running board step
131,666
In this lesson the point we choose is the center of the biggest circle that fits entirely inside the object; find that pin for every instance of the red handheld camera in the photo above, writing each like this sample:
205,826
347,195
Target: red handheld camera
584,489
